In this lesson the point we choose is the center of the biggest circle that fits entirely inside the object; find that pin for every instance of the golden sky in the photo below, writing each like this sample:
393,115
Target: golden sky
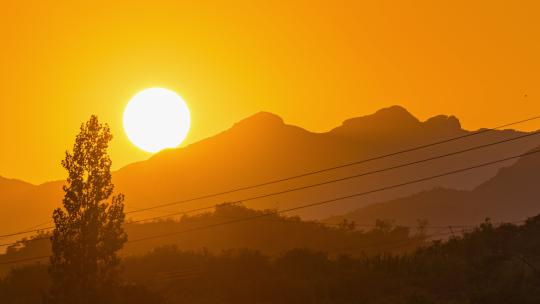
315,63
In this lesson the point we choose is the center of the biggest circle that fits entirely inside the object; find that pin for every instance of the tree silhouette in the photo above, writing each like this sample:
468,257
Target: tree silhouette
88,230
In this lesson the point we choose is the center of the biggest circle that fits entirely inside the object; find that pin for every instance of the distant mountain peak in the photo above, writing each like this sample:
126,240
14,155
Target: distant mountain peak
394,111
444,121
13,181
394,117
261,120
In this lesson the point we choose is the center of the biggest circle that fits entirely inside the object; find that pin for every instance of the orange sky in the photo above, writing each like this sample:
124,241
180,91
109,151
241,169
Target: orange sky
314,63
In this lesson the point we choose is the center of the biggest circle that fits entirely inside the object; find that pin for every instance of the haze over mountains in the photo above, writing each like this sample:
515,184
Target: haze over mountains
262,148
512,195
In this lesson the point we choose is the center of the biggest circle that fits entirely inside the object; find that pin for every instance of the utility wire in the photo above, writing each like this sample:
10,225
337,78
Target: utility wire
309,186
346,178
335,167
307,173
324,202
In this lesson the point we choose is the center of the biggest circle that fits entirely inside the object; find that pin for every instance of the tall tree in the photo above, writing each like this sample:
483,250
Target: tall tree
88,229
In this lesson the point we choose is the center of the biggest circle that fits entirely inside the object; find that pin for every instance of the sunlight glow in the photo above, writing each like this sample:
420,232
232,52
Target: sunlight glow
156,119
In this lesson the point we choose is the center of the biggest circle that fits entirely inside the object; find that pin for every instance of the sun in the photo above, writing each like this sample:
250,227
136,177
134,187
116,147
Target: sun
156,119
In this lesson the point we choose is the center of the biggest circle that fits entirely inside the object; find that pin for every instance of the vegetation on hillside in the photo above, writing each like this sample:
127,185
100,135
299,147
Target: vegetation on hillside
492,264
267,232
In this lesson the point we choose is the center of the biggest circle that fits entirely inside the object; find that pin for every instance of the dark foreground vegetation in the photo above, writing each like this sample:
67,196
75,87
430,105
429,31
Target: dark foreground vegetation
492,264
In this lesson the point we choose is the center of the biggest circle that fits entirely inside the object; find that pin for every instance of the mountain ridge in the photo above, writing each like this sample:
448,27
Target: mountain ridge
511,195
263,147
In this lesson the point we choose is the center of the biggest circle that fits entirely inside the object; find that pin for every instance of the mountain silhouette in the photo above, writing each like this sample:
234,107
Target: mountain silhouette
13,187
263,147
512,195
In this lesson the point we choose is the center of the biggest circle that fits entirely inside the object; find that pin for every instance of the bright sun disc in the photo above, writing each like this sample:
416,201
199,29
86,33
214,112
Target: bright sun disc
156,119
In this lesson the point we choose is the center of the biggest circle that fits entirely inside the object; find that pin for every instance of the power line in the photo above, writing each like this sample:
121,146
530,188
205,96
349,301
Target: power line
320,171
335,167
38,225
387,169
27,231
311,185
324,202
348,177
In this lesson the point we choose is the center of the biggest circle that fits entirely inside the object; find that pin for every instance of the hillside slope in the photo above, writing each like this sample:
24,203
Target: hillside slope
512,195
262,147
